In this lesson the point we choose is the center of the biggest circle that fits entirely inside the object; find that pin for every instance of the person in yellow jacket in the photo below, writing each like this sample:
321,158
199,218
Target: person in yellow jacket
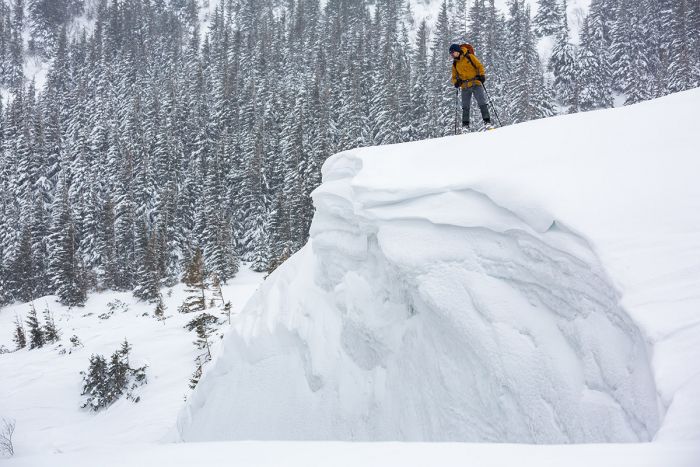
468,73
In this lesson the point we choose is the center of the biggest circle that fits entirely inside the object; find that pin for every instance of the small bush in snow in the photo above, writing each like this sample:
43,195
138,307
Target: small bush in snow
117,305
51,332
105,382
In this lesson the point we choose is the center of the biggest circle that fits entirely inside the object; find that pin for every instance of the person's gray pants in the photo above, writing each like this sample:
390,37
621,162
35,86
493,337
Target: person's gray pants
478,92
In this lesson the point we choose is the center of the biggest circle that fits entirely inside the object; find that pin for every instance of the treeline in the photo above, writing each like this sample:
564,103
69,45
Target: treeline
153,143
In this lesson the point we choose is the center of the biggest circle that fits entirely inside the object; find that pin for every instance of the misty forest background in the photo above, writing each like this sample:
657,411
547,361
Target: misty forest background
153,145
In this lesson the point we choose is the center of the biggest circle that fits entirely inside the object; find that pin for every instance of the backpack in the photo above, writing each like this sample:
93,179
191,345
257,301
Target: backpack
470,51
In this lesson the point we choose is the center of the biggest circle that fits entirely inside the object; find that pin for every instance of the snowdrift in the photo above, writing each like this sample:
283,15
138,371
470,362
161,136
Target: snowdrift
535,284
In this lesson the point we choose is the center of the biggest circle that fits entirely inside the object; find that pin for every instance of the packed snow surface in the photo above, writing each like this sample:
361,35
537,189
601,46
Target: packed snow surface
338,454
535,284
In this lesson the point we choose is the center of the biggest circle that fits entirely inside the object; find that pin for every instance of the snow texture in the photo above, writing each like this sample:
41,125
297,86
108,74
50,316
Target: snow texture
41,388
535,284
337,454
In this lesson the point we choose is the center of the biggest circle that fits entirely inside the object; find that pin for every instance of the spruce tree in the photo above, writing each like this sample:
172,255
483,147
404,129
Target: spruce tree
19,337
195,278
592,65
203,331
203,326
36,333
22,268
147,278
66,267
216,288
441,63
563,66
124,351
681,73
51,332
549,18
117,376
96,384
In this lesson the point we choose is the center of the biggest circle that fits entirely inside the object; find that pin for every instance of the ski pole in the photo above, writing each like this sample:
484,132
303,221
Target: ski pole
492,105
456,110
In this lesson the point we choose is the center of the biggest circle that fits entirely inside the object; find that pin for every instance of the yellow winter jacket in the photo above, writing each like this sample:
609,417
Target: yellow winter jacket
466,70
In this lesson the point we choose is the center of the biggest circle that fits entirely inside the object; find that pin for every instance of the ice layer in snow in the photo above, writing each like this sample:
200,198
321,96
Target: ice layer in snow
539,283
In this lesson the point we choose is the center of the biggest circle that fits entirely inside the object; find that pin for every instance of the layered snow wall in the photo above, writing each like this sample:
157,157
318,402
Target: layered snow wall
535,284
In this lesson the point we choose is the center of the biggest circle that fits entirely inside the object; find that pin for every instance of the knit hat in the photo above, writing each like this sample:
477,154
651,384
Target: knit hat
455,48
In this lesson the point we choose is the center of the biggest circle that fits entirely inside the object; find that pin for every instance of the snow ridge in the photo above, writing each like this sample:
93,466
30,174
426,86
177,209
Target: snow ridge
496,287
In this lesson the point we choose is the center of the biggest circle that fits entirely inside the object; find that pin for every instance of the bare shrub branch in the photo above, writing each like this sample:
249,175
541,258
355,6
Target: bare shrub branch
6,436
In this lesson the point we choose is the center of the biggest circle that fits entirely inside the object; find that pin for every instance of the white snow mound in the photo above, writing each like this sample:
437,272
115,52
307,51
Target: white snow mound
537,284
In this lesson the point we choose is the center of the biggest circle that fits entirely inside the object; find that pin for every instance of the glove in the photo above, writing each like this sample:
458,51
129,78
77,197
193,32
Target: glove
458,83
481,78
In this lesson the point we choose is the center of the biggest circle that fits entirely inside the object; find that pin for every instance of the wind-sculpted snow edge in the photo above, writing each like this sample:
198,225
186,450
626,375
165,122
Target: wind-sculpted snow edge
393,328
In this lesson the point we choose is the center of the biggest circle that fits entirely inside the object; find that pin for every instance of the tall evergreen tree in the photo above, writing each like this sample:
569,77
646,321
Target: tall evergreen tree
593,70
147,280
195,278
563,65
66,267
549,18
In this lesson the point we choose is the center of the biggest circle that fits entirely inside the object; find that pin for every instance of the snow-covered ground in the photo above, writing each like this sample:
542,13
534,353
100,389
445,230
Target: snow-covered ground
538,284
336,454
41,388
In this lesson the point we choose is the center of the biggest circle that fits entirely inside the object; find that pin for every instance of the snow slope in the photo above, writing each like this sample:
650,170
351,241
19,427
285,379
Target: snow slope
40,388
535,284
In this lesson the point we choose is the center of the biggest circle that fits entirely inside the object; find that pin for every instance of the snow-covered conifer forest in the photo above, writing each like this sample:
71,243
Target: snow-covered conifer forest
154,133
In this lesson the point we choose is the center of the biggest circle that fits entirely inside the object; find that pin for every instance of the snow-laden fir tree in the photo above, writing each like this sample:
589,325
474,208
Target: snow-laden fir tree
104,382
593,71
528,95
116,376
66,267
443,94
196,280
550,16
124,351
420,119
36,332
96,384
147,278
682,74
629,54
51,332
562,64
19,337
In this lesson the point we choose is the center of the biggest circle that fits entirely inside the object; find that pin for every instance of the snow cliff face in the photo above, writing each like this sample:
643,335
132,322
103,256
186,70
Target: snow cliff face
450,295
